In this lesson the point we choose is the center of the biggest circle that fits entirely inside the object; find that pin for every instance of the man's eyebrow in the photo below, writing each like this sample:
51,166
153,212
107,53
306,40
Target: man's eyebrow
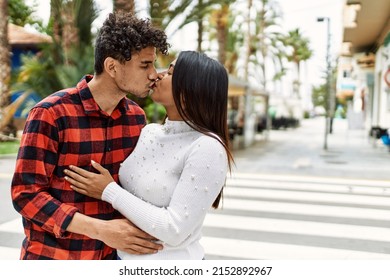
148,61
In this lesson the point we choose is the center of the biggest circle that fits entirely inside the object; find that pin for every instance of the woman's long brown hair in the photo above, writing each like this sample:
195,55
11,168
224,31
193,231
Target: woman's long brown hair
200,91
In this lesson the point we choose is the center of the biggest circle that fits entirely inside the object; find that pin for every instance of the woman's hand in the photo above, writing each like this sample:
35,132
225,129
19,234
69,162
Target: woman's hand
88,183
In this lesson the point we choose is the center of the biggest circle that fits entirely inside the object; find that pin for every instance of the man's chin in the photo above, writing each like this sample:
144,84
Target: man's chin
141,95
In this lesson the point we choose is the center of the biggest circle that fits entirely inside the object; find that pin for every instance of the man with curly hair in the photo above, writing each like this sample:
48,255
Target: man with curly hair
92,121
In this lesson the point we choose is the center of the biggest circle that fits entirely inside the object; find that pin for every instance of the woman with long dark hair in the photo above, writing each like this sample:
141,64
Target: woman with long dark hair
178,169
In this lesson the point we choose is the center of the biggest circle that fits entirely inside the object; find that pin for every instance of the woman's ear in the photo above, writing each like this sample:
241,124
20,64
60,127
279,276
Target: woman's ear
110,66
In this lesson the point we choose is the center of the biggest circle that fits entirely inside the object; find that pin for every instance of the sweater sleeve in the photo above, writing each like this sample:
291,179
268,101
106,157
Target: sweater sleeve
201,180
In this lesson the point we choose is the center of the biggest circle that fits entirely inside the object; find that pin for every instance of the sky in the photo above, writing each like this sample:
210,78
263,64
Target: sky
301,14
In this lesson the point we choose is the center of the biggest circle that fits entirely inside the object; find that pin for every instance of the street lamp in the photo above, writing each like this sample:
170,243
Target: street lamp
328,100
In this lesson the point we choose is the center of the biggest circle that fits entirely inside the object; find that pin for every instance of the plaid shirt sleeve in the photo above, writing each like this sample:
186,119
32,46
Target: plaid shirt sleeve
37,159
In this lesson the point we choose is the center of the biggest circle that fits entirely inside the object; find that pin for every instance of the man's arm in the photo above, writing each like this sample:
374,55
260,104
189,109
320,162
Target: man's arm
36,161
119,233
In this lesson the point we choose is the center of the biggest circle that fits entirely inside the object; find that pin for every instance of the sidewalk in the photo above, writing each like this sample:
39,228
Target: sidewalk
299,151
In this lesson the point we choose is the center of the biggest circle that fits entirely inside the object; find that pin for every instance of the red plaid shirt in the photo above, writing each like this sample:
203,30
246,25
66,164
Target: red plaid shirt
66,128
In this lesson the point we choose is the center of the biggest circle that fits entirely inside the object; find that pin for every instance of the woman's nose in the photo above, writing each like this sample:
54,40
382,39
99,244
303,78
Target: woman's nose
161,75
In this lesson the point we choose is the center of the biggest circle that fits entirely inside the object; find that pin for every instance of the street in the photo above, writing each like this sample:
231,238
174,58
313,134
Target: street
286,199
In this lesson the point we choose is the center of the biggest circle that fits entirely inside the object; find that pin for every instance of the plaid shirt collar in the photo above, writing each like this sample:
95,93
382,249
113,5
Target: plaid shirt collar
89,103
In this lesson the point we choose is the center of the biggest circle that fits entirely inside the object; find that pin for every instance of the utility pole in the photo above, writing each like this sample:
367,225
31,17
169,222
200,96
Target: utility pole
328,97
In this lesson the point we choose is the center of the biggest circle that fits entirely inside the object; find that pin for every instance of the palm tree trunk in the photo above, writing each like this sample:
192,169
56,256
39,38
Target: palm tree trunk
298,93
248,38
5,59
55,15
222,32
263,46
200,26
127,6
70,34
5,71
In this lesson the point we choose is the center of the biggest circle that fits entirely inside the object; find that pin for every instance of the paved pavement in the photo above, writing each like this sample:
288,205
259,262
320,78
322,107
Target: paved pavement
288,199
350,154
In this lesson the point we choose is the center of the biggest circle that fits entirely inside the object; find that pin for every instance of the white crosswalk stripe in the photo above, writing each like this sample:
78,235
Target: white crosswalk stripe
299,217
242,249
11,228
14,226
7,253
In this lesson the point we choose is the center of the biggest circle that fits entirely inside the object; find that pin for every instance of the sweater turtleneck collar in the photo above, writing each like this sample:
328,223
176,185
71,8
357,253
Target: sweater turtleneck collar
174,127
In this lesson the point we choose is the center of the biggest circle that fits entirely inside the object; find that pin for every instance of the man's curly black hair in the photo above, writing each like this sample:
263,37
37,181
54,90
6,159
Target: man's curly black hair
123,34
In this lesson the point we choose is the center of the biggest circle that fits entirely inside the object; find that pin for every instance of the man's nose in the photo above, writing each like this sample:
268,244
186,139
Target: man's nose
153,76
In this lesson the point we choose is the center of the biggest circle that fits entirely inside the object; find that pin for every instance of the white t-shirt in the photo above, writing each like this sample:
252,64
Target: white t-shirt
169,183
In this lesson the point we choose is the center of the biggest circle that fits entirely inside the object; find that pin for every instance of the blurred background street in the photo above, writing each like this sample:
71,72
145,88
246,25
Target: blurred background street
286,199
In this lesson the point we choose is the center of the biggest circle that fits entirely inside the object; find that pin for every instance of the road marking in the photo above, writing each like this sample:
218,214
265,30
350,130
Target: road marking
297,227
312,186
14,226
310,179
7,253
300,209
308,196
235,248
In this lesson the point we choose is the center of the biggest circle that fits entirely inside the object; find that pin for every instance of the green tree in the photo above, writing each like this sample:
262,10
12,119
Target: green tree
175,14
20,14
62,63
223,29
327,100
264,42
319,96
299,50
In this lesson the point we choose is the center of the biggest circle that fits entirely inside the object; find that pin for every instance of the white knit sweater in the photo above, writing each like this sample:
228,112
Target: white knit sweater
170,181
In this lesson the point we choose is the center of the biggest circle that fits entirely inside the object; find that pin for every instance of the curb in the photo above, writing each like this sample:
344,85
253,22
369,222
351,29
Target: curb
8,156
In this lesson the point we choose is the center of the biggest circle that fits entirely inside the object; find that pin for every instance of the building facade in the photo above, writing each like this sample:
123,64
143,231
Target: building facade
363,70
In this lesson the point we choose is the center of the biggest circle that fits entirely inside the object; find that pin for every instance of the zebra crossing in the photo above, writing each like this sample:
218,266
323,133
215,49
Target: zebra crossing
279,217
11,237
284,217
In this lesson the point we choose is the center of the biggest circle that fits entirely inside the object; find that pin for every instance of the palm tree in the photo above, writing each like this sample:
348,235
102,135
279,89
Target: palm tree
5,64
226,33
299,51
200,25
5,59
127,6
220,18
71,25
21,14
165,12
62,63
235,40
18,13
267,38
